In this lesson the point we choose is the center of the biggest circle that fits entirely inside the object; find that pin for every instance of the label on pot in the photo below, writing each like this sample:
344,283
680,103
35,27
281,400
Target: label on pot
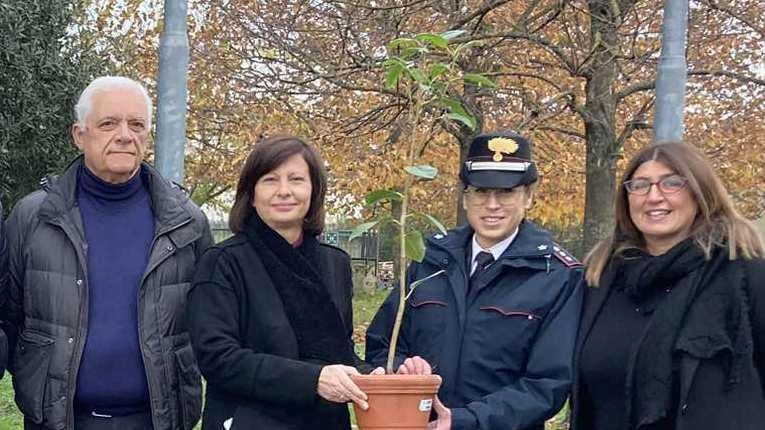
426,404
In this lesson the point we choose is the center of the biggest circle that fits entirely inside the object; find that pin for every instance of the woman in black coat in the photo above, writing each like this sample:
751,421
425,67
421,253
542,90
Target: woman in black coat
270,312
673,331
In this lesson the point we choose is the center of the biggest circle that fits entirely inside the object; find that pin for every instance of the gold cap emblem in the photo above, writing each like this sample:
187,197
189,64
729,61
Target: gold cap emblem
500,145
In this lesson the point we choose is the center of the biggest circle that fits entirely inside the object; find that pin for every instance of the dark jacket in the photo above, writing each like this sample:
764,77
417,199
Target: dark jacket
505,351
246,347
706,400
49,302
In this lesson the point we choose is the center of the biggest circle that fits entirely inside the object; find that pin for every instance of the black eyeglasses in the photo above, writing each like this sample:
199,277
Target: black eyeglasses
667,185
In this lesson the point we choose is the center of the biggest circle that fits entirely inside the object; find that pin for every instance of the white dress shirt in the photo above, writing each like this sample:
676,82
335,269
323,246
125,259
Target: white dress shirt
495,250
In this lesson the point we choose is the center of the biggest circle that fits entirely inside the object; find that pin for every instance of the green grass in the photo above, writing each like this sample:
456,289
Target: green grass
364,307
10,419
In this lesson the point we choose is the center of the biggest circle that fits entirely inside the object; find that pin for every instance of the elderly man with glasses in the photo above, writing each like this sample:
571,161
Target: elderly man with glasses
499,322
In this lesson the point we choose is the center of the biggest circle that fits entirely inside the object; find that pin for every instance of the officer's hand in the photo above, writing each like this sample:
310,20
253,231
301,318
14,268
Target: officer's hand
444,420
414,366
335,385
378,371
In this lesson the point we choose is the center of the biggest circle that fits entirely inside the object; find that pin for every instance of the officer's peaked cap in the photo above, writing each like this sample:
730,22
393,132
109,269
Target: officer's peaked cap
499,160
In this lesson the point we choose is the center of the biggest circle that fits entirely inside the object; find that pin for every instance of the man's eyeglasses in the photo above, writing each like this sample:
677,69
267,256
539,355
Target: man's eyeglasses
667,185
479,196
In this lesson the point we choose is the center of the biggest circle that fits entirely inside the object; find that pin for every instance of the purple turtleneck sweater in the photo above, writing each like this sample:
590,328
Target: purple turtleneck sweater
119,229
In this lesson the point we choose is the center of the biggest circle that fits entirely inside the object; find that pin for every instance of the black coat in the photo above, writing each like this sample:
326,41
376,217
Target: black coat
706,401
247,349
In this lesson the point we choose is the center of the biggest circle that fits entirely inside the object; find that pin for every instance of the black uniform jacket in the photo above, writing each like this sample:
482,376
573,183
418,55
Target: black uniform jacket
246,347
505,350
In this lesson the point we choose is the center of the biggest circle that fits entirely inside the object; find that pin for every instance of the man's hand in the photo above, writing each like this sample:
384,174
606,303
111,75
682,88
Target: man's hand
335,385
444,421
415,366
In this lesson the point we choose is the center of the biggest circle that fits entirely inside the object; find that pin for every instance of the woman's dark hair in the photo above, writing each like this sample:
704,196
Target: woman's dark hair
717,223
266,156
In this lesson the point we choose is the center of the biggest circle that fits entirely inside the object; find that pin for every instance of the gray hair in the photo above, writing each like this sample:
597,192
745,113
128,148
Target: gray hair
103,83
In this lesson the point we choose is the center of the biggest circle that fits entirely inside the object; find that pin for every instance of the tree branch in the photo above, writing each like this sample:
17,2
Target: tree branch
562,130
732,75
637,122
486,8
650,85
539,40
528,75
715,5
365,5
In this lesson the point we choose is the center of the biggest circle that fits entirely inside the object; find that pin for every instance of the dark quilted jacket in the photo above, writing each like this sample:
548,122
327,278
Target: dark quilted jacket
46,311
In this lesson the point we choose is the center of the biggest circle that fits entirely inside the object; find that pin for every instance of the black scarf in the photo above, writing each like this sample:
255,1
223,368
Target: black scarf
642,275
295,272
705,303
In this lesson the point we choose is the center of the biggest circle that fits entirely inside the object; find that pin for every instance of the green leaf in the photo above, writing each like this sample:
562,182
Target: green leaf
401,42
462,47
411,52
454,106
435,223
417,76
423,171
469,121
472,43
479,79
414,246
362,228
392,75
451,34
437,70
432,39
379,195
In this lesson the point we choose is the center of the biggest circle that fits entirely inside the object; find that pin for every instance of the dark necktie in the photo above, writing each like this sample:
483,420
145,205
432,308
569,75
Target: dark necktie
483,260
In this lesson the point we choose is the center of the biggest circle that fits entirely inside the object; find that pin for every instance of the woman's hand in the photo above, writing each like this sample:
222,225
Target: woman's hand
414,366
335,385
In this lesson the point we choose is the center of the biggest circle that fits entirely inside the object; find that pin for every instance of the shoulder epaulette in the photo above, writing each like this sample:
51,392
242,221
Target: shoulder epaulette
47,181
565,257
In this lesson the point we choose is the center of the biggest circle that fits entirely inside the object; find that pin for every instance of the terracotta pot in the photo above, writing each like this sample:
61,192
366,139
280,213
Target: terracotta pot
396,402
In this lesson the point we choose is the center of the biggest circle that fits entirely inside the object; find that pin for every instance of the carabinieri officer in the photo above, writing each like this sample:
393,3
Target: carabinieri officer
499,321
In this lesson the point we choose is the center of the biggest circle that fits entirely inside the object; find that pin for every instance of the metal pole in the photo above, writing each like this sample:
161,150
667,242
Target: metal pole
171,101
672,73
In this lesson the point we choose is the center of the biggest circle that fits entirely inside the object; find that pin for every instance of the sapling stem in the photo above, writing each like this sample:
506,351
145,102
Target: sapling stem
401,279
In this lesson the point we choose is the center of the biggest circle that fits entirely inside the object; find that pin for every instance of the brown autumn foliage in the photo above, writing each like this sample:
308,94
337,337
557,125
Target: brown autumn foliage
576,76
